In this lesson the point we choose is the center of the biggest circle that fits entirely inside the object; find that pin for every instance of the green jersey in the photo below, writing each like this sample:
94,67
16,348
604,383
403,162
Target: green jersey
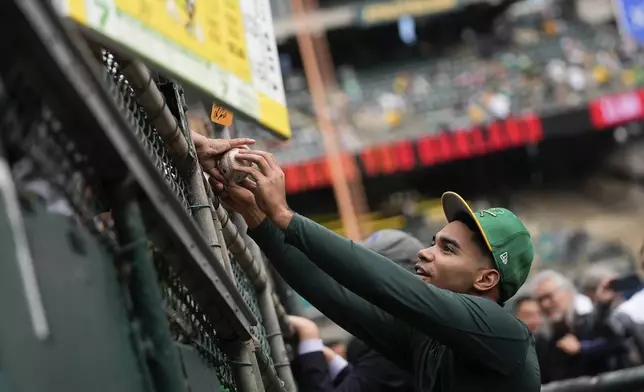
450,342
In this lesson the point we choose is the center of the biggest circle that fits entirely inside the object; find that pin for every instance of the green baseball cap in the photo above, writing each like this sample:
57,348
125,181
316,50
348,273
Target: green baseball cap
506,237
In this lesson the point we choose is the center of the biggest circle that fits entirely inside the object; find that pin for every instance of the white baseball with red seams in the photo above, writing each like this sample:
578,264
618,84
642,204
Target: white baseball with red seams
228,163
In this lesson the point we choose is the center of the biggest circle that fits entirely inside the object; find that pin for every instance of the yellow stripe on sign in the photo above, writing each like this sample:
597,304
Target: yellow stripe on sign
233,34
274,115
393,10
77,11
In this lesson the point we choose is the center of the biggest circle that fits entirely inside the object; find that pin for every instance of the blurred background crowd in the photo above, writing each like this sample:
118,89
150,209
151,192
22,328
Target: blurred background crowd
469,66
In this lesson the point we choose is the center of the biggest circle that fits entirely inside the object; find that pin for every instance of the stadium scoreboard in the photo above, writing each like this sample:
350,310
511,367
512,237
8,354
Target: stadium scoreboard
225,48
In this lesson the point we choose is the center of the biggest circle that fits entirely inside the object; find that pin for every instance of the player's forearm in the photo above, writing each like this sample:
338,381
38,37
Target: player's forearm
253,217
351,312
362,271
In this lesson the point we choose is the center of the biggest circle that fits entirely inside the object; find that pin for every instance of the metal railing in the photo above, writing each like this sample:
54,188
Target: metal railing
100,144
625,380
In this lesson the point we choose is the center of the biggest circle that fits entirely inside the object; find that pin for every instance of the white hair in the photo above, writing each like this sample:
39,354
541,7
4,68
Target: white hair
560,280
590,278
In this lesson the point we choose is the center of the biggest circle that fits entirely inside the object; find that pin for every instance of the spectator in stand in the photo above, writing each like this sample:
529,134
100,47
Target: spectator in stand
625,311
595,283
578,339
393,106
628,321
419,90
526,309
339,348
350,83
316,367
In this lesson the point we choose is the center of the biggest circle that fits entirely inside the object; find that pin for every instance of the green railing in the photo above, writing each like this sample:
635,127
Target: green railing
121,271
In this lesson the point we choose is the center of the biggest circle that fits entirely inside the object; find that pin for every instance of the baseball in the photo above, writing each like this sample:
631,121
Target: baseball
228,163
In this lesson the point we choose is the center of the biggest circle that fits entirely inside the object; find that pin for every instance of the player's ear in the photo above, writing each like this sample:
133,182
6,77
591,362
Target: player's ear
486,279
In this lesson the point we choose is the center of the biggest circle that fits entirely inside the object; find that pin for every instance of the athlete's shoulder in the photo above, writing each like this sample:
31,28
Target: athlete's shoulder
503,322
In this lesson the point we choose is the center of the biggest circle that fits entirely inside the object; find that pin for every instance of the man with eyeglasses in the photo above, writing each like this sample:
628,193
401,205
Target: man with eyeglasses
577,340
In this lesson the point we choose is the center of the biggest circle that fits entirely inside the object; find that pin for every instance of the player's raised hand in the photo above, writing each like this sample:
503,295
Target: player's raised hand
267,185
242,201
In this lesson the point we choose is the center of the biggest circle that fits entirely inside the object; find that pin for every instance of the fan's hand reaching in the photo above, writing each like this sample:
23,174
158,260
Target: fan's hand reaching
209,151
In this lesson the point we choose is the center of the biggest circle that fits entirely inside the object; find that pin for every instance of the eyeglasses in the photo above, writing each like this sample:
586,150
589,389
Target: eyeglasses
547,297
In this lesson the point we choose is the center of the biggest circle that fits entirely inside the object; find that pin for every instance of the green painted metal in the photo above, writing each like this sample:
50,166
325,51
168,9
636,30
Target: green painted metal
199,375
88,345
146,297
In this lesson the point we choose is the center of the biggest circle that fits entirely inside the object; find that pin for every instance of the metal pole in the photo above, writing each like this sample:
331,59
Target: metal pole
327,70
267,306
146,296
251,268
269,376
244,366
318,94
274,322
180,147
625,380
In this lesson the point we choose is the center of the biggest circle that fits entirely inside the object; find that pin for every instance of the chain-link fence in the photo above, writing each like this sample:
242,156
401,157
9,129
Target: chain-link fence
112,157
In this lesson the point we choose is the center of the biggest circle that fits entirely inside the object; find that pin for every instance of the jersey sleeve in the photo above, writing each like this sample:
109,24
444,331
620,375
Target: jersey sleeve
379,329
474,327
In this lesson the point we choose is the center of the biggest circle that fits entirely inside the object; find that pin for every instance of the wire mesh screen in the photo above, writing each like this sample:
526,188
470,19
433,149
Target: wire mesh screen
145,132
249,295
47,165
149,137
188,323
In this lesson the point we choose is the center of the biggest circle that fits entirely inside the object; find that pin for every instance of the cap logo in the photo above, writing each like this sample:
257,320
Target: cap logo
504,257
488,212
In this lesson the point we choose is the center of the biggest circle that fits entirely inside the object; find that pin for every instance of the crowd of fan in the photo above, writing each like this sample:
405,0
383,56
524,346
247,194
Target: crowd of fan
545,65
544,71
584,329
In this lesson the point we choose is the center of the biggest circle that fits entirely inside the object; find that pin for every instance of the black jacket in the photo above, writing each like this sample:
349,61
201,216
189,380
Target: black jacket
369,371
602,349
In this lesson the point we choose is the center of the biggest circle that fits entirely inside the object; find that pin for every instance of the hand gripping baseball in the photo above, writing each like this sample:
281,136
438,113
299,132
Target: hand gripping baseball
268,184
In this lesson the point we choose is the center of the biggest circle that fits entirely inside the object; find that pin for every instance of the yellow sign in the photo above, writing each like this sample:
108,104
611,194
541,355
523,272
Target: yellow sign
222,116
383,12
226,48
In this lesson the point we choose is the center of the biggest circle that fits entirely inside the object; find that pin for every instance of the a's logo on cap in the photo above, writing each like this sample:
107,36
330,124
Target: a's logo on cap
491,211
483,212
504,257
